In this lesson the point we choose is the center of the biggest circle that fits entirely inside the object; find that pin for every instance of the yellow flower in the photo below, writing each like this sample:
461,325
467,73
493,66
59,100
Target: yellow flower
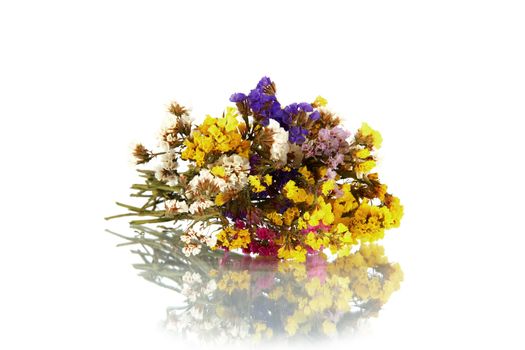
255,182
298,253
365,166
218,171
290,214
363,153
366,130
219,199
268,179
328,186
315,241
367,222
229,121
275,218
396,211
320,101
307,175
294,193
233,239
216,135
323,212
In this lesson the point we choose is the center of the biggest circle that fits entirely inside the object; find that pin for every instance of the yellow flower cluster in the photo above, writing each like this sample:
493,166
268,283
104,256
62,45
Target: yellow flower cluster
290,214
373,136
322,213
297,253
307,175
369,222
255,182
275,217
316,240
218,135
344,204
297,194
231,238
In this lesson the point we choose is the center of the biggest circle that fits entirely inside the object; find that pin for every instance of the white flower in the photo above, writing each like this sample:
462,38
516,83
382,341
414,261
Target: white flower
211,240
176,206
204,175
200,205
166,170
191,249
168,160
236,169
280,146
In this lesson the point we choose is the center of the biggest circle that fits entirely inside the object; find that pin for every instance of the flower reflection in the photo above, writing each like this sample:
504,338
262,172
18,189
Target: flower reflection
229,297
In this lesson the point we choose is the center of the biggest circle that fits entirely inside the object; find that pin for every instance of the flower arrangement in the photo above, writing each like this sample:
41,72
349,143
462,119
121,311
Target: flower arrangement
266,179
232,298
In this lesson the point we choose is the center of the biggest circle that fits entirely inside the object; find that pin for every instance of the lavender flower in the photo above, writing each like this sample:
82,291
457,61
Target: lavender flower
330,144
297,134
238,97
264,82
305,107
315,115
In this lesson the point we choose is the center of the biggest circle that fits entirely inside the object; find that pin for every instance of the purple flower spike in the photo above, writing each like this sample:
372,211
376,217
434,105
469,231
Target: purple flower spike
238,97
265,81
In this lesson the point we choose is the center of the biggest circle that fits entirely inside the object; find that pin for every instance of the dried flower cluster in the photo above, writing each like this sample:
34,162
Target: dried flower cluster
270,180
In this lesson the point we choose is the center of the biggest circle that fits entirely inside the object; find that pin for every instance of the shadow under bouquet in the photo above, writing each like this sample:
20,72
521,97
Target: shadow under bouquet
265,179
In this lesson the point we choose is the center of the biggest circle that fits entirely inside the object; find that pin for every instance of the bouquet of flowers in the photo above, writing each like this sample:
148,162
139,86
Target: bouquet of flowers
231,298
266,179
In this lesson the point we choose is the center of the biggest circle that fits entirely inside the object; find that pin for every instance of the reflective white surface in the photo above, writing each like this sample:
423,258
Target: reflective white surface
442,81
227,298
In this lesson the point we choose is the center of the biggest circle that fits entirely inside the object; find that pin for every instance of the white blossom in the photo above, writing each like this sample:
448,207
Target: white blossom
176,206
280,145
200,205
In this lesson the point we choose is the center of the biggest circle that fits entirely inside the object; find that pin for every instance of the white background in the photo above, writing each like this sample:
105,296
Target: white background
444,81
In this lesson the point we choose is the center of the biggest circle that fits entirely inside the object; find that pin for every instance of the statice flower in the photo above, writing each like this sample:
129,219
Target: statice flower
167,169
261,100
236,170
238,97
331,145
297,134
175,206
200,205
280,145
315,115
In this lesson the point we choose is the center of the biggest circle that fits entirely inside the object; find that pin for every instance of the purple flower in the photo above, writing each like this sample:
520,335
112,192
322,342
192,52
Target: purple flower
305,107
292,109
264,106
265,81
238,97
297,134
315,115
255,160
283,118
330,143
